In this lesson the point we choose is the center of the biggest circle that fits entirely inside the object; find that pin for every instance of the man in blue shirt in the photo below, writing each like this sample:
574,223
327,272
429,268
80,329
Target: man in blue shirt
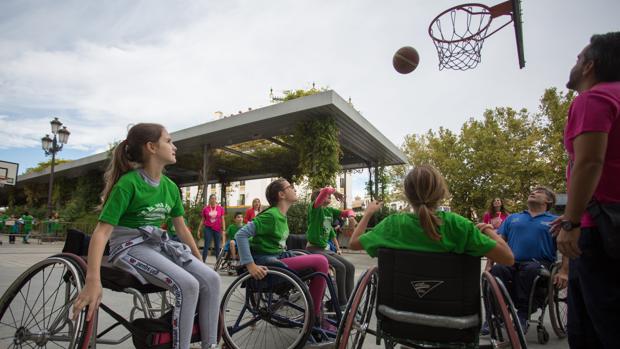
528,235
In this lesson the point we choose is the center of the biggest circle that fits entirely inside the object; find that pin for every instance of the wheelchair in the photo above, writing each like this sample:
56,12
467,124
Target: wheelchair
545,295
276,311
433,303
224,262
35,311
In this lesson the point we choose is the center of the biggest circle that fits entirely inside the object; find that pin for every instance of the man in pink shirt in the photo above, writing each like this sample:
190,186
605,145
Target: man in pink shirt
592,141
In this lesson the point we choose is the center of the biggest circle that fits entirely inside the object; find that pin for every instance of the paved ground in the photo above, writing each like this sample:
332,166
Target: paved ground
14,259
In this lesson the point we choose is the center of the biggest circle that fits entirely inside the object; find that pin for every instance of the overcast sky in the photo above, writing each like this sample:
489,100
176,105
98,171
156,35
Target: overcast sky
101,65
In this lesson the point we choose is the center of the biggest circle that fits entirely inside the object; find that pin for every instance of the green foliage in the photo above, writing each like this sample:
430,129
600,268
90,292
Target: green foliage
503,155
45,164
297,216
83,198
316,141
293,94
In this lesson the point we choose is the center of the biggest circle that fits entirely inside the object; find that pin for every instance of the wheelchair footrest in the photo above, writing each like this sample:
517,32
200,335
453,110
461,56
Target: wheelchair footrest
456,322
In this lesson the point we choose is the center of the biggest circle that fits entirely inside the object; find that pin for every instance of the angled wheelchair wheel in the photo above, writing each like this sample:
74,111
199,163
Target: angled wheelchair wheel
357,316
35,311
505,329
558,305
221,260
275,312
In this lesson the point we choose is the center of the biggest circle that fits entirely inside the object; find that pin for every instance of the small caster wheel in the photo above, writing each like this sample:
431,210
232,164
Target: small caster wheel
543,335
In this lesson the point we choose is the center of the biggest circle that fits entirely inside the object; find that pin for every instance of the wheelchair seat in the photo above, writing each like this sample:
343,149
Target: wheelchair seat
112,278
429,297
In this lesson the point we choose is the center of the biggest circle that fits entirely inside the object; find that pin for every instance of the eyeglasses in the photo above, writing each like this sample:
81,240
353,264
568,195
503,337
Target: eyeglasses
289,186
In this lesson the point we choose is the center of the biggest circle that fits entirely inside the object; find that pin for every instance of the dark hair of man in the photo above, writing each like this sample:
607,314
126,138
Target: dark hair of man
604,52
238,214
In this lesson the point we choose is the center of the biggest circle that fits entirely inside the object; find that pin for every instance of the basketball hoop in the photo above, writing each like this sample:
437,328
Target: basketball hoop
466,26
2,181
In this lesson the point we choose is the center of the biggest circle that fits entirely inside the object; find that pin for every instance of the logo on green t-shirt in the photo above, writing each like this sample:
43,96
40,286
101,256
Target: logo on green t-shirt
157,212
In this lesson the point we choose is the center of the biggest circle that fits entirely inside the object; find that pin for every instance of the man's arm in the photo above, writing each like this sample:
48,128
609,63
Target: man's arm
585,174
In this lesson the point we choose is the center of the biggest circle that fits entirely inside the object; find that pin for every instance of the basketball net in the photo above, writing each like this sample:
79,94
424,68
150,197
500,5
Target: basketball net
459,33
2,181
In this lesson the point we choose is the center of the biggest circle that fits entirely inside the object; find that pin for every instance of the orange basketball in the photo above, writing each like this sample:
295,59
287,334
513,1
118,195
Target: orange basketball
405,60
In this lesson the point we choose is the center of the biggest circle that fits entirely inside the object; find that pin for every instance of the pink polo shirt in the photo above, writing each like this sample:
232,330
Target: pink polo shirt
212,217
597,110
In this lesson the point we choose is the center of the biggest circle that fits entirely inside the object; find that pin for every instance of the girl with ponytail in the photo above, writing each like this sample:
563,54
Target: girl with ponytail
426,229
136,200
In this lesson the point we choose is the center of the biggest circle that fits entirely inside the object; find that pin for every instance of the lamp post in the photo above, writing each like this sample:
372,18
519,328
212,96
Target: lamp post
51,146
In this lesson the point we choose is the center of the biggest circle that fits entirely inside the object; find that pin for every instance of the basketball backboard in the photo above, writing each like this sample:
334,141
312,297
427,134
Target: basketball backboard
8,173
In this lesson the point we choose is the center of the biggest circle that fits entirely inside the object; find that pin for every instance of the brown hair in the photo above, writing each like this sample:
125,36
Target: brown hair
502,209
425,187
128,153
272,191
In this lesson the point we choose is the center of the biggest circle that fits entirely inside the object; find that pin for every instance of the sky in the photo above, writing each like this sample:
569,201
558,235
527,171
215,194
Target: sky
100,66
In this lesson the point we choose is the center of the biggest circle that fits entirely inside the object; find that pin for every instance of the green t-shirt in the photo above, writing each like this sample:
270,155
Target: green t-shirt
27,223
134,203
231,231
320,229
403,231
271,232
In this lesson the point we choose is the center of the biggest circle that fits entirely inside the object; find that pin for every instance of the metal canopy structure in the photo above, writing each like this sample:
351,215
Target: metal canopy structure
362,144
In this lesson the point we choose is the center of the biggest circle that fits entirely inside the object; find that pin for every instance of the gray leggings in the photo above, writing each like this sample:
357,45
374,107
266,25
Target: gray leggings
192,284
345,272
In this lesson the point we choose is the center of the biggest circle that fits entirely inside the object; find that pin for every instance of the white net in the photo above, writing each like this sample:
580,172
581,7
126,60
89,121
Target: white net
459,44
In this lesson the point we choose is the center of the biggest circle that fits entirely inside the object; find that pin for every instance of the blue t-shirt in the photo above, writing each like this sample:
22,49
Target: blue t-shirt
529,237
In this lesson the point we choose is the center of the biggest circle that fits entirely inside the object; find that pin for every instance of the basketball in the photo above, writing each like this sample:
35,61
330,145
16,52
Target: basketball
405,60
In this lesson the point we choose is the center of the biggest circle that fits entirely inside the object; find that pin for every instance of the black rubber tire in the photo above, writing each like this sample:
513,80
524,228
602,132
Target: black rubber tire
357,316
237,293
32,318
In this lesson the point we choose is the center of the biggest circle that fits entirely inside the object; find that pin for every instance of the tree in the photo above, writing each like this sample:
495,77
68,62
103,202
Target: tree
504,154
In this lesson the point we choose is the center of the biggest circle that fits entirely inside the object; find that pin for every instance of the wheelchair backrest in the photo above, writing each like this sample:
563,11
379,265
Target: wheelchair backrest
77,242
431,283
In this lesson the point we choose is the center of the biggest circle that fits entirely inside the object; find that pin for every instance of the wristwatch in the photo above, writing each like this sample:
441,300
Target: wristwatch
568,225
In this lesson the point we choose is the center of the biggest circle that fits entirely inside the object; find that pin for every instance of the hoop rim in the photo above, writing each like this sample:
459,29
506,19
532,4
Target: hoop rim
484,28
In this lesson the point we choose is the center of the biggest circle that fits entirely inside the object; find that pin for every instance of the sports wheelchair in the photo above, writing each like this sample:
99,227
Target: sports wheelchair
544,294
35,311
432,303
277,311
224,262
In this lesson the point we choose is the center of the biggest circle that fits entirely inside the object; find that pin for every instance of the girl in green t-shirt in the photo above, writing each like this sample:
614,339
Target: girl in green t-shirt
269,231
321,231
426,229
136,200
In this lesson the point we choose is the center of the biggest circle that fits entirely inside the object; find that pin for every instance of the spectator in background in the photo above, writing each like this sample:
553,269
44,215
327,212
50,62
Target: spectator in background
213,224
253,211
27,220
496,213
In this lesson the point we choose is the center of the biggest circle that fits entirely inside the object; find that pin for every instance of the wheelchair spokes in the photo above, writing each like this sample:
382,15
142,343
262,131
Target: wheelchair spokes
558,309
35,310
273,312
356,320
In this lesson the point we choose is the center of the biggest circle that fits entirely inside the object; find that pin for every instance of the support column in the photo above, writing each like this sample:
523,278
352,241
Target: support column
223,199
377,182
206,156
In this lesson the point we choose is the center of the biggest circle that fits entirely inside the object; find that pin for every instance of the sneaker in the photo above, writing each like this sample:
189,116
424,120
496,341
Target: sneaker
484,331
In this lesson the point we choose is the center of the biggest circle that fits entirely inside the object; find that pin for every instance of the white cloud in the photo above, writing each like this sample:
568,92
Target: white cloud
101,66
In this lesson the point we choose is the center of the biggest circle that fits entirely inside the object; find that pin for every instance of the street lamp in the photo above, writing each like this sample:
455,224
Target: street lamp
51,146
